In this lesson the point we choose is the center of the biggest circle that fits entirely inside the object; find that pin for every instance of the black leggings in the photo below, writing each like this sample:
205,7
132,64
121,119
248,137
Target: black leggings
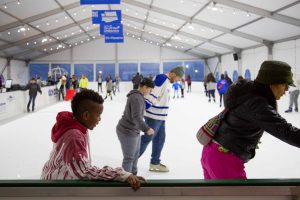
212,93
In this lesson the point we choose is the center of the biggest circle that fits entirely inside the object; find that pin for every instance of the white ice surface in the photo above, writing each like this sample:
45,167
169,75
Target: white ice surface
25,142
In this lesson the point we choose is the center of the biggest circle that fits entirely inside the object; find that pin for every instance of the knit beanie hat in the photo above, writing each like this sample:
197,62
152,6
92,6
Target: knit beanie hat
274,72
179,71
147,82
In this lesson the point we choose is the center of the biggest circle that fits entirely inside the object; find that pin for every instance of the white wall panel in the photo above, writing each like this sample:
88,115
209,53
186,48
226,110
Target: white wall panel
229,65
2,65
252,59
60,56
19,72
211,65
297,59
96,50
286,51
169,54
133,49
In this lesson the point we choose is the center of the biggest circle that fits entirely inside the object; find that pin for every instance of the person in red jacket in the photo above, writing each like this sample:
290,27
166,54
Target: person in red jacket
70,158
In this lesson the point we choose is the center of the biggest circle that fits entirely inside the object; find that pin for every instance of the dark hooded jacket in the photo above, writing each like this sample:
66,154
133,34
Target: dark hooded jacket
252,110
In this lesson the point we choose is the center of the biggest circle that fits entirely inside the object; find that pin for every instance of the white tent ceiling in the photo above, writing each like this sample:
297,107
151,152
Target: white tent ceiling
30,29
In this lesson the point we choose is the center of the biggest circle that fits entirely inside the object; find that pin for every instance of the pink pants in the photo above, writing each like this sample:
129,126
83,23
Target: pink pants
220,165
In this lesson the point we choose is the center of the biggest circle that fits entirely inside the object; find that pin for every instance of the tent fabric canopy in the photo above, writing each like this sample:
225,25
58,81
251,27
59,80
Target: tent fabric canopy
31,29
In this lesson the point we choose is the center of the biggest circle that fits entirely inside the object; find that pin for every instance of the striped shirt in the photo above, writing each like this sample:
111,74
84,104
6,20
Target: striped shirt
70,159
157,103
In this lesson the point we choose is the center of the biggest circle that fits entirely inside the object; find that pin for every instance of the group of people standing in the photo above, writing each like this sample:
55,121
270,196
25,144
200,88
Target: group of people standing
222,85
111,85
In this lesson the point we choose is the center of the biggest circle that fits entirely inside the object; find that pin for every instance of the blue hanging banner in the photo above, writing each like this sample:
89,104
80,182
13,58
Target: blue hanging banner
111,29
248,75
114,39
106,16
235,76
88,2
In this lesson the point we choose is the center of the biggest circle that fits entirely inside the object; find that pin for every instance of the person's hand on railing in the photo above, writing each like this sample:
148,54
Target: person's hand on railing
135,181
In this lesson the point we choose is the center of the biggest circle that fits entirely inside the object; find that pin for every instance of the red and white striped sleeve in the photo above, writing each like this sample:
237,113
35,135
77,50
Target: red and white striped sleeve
78,162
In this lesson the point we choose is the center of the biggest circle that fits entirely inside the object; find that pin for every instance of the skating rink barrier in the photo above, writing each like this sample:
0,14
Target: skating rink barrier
14,103
252,189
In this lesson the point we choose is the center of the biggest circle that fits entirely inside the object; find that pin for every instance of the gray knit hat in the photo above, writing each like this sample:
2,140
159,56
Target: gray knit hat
179,71
275,72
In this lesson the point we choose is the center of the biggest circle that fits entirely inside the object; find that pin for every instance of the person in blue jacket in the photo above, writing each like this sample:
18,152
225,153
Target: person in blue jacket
176,86
222,87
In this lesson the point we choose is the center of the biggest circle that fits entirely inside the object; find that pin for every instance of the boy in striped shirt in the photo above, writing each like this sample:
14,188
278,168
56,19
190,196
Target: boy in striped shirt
70,158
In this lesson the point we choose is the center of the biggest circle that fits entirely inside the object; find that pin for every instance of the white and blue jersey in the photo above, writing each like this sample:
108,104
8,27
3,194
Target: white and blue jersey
157,103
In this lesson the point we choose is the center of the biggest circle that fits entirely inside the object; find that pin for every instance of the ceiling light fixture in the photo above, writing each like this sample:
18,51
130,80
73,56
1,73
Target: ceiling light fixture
44,40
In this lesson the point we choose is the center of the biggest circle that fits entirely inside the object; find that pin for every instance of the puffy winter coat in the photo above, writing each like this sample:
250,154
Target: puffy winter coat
252,110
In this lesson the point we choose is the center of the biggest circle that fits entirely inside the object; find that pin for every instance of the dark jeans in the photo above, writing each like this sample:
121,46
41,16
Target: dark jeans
189,87
211,93
61,91
31,98
158,139
100,85
221,96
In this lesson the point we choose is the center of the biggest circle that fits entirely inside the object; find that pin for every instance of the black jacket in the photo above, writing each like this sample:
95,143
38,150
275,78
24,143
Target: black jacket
252,110
33,89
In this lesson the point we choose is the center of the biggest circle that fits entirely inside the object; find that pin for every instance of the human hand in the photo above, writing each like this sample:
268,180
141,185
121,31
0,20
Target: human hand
135,181
150,131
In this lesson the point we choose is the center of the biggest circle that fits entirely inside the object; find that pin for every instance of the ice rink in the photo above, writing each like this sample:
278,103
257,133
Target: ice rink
25,142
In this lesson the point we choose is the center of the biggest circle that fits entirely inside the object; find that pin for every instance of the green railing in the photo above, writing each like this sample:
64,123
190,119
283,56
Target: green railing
150,183
153,189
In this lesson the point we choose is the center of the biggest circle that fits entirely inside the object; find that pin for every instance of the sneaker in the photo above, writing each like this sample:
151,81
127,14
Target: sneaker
158,168
289,110
296,109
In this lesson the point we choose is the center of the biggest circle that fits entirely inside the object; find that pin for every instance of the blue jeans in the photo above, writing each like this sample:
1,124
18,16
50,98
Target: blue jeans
158,139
